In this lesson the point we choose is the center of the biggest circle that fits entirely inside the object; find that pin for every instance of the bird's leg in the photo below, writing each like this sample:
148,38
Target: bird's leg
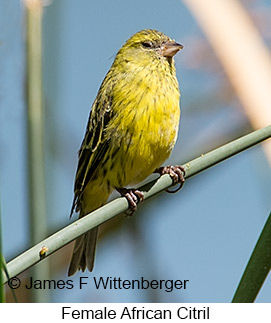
177,174
133,197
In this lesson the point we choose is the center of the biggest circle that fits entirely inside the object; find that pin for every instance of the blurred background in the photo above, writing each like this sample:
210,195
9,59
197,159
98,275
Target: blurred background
206,232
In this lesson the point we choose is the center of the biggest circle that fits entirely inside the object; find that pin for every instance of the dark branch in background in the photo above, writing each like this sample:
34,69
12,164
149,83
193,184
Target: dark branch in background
257,268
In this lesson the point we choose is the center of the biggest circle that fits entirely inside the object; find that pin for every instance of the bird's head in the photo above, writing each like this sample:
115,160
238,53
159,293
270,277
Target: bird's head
147,45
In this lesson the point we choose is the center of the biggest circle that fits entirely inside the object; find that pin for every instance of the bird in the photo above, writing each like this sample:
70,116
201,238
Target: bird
131,131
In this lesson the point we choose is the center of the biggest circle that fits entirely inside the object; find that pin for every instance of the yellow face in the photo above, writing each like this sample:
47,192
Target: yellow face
145,46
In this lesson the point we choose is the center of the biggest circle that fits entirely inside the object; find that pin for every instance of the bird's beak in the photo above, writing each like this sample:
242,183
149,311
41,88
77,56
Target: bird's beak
170,48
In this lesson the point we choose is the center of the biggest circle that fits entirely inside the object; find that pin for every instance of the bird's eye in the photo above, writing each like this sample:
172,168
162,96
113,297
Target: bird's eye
147,44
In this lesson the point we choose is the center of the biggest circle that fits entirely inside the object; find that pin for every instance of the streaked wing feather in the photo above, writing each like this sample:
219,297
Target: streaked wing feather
93,146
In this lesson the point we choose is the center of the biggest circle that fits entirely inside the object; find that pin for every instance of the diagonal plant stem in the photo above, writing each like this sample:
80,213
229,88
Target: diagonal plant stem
247,45
120,205
257,268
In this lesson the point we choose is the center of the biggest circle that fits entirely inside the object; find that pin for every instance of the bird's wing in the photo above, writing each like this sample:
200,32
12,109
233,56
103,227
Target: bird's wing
94,144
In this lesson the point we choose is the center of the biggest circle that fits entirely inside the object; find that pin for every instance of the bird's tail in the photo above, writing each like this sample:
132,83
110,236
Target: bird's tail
84,252
84,248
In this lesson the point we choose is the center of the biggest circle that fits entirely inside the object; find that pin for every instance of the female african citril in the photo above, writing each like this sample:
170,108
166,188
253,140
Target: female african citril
131,131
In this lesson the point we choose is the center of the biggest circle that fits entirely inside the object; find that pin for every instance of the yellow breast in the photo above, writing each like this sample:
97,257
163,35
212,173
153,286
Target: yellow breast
144,128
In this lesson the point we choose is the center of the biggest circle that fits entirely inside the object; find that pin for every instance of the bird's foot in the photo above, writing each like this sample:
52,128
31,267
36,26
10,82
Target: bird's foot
177,174
133,197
